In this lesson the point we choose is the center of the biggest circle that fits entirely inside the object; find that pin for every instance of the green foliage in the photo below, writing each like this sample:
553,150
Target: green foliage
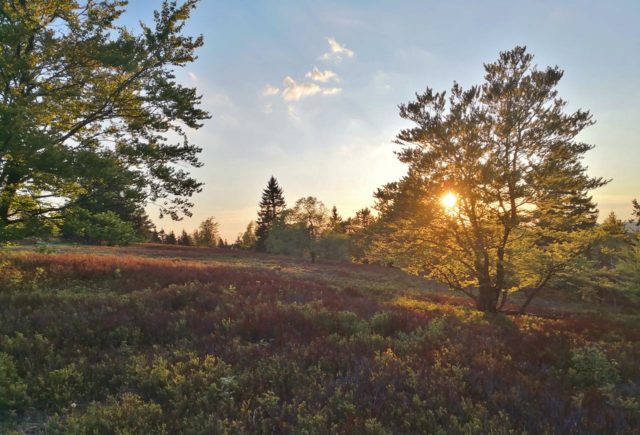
272,205
333,246
590,367
97,228
128,415
207,233
312,214
508,153
299,230
249,239
13,390
288,239
86,102
628,269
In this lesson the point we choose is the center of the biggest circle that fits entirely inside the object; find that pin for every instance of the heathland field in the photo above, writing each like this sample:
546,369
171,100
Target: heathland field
164,339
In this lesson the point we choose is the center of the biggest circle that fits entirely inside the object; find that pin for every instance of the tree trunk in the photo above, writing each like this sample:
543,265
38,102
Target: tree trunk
7,193
487,300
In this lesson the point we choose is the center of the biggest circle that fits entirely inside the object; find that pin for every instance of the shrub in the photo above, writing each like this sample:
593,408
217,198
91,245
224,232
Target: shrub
13,390
129,415
590,367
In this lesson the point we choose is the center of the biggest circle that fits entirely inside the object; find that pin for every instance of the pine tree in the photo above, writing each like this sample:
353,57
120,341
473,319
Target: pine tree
171,238
185,239
496,198
636,211
335,221
271,205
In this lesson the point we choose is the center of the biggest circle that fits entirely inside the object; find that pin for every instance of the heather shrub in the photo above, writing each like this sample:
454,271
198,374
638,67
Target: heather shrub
145,345
590,367
13,390
128,415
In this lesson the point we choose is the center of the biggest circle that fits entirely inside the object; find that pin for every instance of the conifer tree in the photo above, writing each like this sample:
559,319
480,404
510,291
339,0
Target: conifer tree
496,198
335,221
171,238
271,205
185,239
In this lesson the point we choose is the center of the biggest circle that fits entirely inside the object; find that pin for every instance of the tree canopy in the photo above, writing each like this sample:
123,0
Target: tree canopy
496,198
80,96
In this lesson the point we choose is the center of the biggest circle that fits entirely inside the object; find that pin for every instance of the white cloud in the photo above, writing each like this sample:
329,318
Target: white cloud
269,91
321,76
331,91
193,76
268,108
337,51
294,91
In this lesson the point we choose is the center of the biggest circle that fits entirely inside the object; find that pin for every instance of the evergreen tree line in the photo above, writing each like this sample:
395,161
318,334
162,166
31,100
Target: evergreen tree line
308,229
206,235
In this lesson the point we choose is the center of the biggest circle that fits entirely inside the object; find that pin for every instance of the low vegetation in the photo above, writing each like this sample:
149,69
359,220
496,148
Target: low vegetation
190,340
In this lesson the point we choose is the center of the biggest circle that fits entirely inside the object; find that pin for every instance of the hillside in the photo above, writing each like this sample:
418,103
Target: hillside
156,339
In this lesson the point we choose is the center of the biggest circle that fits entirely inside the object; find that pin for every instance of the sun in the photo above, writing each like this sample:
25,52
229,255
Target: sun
449,200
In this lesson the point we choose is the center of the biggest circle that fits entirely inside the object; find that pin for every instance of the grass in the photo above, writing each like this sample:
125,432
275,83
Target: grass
158,339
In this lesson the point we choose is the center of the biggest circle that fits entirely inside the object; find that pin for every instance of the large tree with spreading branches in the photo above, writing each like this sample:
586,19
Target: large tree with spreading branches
80,93
496,199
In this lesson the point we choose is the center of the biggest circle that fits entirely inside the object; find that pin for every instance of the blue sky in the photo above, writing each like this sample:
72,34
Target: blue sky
329,134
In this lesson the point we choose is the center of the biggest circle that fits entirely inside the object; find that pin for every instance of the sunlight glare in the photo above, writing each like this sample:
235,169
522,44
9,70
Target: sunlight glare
449,200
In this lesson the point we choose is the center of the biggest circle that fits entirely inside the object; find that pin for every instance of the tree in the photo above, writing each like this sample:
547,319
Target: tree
185,239
612,241
288,237
360,221
106,186
155,236
248,239
496,198
171,239
271,206
207,233
359,229
333,246
335,221
78,90
636,211
311,214
98,228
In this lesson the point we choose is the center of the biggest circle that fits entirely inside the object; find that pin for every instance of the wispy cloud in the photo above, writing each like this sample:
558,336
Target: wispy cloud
321,76
316,83
193,76
331,91
269,91
294,91
337,51
291,110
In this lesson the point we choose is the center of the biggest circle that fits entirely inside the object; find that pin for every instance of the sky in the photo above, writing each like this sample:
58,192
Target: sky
308,91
